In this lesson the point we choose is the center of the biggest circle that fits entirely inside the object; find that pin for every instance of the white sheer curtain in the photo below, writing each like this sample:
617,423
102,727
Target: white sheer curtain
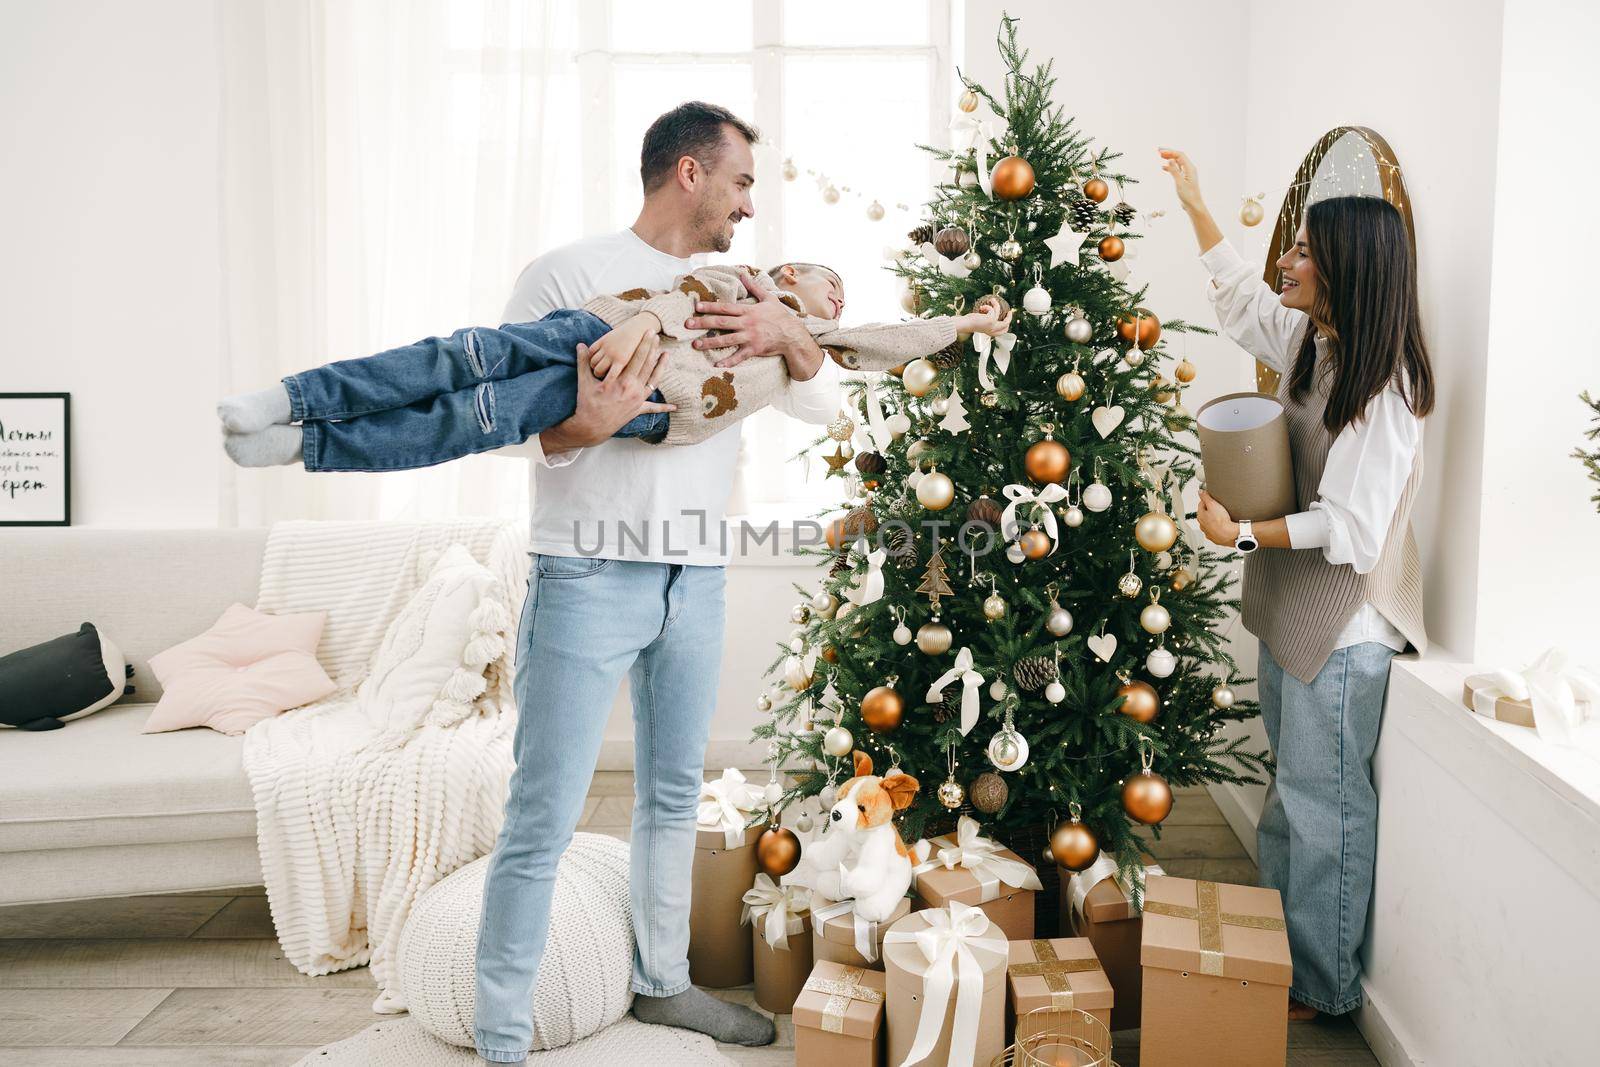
389,165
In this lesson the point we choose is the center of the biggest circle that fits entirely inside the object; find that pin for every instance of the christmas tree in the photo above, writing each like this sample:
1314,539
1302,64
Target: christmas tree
1591,460
1015,612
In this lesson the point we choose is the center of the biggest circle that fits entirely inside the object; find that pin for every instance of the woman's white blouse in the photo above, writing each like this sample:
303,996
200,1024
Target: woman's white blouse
1369,461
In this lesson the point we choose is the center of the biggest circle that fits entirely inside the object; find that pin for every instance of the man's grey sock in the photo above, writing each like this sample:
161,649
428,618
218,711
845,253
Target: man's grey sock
695,1009
254,412
275,446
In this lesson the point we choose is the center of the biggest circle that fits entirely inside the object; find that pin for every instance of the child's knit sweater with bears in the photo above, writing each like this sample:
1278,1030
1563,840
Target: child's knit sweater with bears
711,398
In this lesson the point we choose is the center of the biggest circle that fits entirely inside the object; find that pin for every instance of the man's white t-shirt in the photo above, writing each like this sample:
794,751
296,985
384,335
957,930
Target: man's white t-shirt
625,498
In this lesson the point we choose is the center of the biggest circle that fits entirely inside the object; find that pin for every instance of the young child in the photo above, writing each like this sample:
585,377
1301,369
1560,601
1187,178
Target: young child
480,389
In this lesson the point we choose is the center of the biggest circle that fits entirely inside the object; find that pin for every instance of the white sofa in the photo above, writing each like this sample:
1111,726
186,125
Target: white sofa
98,809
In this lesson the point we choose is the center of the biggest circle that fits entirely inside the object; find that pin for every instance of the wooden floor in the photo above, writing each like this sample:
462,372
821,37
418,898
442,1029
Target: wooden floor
198,979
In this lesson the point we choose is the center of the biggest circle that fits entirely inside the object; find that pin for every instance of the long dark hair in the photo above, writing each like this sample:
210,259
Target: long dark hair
1366,306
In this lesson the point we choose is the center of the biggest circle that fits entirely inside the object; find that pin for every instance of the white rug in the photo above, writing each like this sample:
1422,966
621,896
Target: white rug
402,1042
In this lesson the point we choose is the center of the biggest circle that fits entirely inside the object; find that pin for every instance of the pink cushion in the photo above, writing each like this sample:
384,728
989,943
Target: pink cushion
249,666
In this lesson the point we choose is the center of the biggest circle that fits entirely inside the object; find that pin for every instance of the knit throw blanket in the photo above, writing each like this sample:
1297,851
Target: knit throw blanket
354,825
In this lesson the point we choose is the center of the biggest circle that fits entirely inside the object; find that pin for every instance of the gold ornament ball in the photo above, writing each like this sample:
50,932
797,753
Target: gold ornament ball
1111,248
830,654
1070,386
1012,178
1184,371
1181,579
936,491
842,428
830,195
1149,328
1222,698
934,638
1035,544
1147,798
994,607
1074,846
777,851
1155,531
1009,250
989,398
797,676
972,261
919,376
1130,585
1250,212
1155,619
1139,700
951,795
837,742
989,792
968,102
790,171
1097,190
882,709
874,211
1047,461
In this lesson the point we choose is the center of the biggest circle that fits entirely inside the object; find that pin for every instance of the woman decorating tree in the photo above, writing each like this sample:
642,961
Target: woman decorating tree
1334,590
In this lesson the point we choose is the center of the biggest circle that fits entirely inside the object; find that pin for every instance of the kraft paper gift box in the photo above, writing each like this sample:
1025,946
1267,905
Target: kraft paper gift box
1095,904
838,1017
972,869
837,934
724,867
946,979
1482,695
780,921
1216,975
1244,447
1061,973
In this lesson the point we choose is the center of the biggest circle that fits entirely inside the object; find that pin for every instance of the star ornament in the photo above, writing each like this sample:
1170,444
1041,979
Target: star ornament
836,460
1068,244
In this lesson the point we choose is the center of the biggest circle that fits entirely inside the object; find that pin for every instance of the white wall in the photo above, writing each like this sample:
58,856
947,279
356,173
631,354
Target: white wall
110,280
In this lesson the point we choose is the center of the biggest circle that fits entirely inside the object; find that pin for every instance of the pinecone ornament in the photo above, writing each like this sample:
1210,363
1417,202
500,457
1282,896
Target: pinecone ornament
841,563
922,234
1034,673
948,357
1123,212
901,546
1084,213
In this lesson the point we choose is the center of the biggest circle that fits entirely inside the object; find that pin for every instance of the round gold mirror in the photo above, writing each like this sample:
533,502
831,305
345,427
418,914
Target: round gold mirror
1345,161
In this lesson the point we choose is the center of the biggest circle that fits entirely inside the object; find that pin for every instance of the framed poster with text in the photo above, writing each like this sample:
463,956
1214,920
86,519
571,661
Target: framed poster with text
35,459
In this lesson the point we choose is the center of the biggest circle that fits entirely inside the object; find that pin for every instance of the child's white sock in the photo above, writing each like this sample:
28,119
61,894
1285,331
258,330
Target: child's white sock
253,412
275,446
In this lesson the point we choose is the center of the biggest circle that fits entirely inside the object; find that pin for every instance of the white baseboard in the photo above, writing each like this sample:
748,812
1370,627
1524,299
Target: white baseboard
1241,815
1374,1024
617,754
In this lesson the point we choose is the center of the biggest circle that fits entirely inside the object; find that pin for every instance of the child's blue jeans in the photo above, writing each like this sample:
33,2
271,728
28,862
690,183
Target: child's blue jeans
446,397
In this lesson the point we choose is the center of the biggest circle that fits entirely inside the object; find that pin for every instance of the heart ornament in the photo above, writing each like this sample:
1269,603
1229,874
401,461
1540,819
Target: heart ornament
1103,646
1107,419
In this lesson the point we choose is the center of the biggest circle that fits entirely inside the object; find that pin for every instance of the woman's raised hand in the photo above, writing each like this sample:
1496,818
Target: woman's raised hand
1185,178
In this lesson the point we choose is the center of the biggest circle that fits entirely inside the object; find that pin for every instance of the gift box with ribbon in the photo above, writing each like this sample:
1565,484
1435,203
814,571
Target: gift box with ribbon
840,935
780,919
946,978
1059,974
1101,904
724,867
1216,975
1554,697
838,1017
972,869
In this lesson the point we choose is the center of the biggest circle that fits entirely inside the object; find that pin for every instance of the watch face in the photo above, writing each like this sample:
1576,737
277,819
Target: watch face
1245,544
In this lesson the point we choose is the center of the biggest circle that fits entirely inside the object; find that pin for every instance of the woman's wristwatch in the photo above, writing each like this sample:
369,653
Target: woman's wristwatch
1246,541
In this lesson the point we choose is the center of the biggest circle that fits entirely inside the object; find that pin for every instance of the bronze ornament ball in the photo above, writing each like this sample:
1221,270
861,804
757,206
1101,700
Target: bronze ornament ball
1047,461
951,242
1184,371
777,851
1149,328
1155,531
1139,700
870,463
1012,178
1070,386
986,510
882,709
1147,798
1035,544
1097,190
1111,248
1074,846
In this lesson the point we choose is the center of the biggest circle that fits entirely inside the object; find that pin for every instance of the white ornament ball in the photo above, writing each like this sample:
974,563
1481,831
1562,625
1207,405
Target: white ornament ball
1133,356
1160,663
790,171
972,261
936,491
1096,497
763,702
1055,692
941,405
1058,622
1073,516
837,742
1036,301
919,376
1079,332
997,690
902,634
874,211
1008,750
1014,553
830,195
898,424
827,796
773,793
803,824
1155,618
1222,697
824,603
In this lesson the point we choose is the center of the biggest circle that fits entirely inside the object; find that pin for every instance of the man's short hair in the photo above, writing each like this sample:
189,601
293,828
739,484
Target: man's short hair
690,129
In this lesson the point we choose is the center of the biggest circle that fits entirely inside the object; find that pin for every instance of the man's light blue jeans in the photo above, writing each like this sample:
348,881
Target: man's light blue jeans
585,624
1317,840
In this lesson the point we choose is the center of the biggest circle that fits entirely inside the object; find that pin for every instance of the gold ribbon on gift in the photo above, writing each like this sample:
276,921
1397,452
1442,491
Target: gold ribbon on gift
1210,916
840,992
1053,970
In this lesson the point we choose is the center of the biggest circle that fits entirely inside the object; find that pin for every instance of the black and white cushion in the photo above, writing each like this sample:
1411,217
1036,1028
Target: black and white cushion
65,678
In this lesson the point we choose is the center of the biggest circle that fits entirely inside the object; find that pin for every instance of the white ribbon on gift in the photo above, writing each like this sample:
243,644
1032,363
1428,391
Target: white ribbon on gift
950,943
971,680
727,804
1565,698
1000,347
866,931
1043,497
781,910
968,848
869,587
1083,882
976,133
877,426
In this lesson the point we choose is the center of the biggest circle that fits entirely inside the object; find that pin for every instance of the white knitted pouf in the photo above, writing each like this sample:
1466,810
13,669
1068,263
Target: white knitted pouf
588,955
402,1043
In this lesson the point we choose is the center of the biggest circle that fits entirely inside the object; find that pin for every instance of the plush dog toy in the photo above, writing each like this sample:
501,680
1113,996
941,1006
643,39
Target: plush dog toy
859,853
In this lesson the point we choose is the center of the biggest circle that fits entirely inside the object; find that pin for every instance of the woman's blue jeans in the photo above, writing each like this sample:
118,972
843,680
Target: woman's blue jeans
446,397
585,624
1317,841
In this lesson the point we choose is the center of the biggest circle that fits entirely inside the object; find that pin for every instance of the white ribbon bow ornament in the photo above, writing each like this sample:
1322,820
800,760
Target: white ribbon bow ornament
869,589
976,133
1023,494
780,910
1001,347
727,804
971,681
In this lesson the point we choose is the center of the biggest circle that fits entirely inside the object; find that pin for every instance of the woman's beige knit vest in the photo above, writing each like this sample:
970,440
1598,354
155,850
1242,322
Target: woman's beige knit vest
1295,600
